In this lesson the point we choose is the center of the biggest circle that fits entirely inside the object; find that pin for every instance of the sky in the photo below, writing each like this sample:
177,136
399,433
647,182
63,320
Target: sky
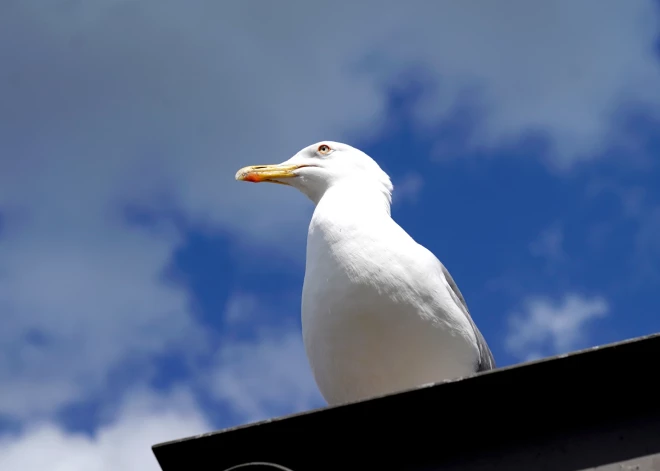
145,295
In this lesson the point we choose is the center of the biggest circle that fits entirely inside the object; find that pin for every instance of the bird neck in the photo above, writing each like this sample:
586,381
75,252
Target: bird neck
357,197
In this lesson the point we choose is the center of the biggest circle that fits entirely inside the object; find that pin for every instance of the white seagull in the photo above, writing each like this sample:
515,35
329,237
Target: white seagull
380,313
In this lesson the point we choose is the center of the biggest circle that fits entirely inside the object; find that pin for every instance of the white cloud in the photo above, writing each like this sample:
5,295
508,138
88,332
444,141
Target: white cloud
125,443
408,188
265,378
258,379
549,244
549,327
241,307
74,308
563,69
157,103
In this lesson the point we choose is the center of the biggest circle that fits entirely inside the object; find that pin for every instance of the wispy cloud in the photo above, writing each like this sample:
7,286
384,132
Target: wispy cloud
522,64
639,212
241,307
76,304
265,378
124,443
408,188
549,244
546,327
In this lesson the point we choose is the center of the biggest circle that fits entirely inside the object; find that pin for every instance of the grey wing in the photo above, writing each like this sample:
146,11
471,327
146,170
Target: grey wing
486,360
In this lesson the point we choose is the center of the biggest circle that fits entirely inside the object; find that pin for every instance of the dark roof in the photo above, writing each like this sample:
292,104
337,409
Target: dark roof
570,412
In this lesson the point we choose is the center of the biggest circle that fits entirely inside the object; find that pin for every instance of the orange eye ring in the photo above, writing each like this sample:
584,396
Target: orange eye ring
324,149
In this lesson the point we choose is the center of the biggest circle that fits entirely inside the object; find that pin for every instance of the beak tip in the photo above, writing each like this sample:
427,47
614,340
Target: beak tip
245,175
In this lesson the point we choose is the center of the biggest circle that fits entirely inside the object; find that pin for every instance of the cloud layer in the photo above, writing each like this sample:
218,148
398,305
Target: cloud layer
153,105
266,377
548,327
124,443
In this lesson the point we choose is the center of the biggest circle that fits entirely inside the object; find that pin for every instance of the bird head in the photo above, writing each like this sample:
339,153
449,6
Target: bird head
318,167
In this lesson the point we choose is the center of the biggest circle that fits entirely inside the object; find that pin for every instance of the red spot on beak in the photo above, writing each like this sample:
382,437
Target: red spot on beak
252,177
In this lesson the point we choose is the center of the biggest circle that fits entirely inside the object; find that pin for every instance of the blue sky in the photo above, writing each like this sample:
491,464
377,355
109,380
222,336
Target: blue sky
146,296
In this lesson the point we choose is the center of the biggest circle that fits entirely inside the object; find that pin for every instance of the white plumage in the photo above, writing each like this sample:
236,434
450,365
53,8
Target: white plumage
380,313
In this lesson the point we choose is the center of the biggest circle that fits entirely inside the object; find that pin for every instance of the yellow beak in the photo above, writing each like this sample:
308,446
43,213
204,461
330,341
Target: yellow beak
266,173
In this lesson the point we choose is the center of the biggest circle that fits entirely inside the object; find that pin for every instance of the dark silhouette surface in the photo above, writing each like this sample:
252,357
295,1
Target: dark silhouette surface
573,412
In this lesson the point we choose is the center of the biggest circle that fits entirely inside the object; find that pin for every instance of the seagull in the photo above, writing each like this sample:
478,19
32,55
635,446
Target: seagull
380,313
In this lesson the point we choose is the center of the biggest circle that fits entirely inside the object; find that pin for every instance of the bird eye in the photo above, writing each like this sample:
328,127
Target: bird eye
324,149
